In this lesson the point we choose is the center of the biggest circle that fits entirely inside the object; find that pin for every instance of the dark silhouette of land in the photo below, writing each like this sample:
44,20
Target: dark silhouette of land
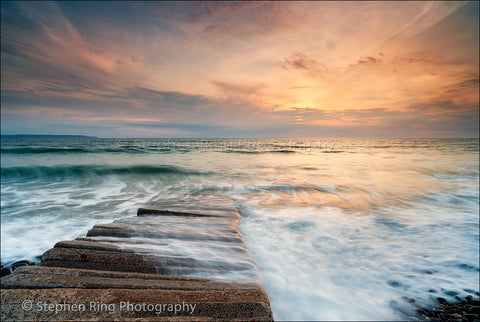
46,136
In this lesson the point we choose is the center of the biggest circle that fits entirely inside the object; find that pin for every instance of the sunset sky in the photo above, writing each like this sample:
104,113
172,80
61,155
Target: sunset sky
240,69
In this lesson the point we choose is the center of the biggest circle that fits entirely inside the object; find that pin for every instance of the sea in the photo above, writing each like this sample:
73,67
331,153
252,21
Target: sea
340,229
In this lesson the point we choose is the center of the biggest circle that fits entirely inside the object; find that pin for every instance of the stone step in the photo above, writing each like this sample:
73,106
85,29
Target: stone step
33,277
166,249
131,262
178,256
188,213
157,244
113,304
149,232
172,220
165,227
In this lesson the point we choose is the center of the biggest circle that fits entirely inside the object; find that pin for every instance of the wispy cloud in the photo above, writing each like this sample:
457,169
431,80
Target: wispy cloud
263,68
368,61
300,61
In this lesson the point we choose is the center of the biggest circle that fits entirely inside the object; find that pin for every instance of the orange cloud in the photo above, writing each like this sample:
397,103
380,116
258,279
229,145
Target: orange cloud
244,64
345,122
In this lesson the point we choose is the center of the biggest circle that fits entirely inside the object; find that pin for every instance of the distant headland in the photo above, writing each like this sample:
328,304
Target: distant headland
46,136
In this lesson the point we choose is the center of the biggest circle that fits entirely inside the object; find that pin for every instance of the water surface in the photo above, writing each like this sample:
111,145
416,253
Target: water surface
339,228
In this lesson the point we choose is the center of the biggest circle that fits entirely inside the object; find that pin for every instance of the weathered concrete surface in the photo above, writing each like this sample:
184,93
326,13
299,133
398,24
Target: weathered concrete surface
156,261
175,240
29,277
106,290
243,305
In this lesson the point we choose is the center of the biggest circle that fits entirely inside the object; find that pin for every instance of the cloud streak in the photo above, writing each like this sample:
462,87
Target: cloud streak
241,68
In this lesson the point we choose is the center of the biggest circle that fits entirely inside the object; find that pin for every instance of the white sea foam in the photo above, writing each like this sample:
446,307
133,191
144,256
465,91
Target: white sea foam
317,262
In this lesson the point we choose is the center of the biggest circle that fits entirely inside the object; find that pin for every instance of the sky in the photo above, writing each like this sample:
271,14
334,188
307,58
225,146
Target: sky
241,69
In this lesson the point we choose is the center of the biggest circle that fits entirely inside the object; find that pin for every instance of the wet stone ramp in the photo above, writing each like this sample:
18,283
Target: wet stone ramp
185,263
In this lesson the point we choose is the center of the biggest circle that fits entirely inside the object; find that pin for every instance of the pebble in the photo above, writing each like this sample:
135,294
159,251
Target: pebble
475,309
466,310
471,317
441,300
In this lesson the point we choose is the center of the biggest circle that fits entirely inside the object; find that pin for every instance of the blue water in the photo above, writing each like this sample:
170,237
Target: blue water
340,229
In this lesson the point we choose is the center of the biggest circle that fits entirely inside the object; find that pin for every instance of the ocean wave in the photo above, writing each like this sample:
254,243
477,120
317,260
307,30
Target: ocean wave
280,188
43,150
64,150
79,171
132,149
258,151
300,187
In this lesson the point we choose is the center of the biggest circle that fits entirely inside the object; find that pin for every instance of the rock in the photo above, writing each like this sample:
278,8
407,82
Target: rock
468,298
450,293
462,311
394,283
21,263
441,300
411,300
475,309
471,317
4,271
422,312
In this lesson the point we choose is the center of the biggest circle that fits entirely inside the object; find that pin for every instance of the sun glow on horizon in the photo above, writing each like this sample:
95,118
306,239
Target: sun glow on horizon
241,68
